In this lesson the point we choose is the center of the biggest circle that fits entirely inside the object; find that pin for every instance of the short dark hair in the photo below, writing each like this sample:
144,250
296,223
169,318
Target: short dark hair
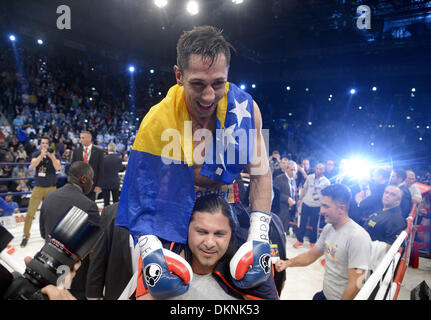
87,132
338,192
77,170
401,173
385,174
205,41
213,204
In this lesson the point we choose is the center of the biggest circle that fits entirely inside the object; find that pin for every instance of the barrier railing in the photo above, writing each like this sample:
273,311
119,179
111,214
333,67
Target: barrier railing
390,272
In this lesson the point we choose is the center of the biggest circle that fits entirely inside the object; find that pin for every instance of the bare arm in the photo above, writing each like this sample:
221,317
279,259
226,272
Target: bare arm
302,260
356,277
55,162
260,175
35,161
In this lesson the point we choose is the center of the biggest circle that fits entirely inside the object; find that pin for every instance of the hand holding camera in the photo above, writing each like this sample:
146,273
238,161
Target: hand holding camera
69,243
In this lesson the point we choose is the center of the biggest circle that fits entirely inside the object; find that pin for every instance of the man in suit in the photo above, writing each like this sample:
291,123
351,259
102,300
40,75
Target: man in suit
397,178
111,265
286,185
112,165
89,153
57,204
364,204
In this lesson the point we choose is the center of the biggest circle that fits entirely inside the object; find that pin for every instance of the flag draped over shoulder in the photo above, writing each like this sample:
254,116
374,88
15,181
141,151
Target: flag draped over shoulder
158,193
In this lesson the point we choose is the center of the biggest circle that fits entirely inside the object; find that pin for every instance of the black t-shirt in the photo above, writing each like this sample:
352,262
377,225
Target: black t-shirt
386,225
45,171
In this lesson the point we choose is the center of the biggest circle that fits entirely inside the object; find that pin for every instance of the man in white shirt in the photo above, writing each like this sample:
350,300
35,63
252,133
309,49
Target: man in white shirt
346,245
309,202
414,189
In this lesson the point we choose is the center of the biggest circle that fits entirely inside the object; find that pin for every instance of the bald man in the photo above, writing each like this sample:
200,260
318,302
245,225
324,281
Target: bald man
386,224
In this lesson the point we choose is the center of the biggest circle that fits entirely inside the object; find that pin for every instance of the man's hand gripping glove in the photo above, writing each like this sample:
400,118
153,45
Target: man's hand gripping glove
251,265
165,273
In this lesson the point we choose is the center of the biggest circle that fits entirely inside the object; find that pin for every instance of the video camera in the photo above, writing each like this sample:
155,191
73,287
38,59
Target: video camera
70,241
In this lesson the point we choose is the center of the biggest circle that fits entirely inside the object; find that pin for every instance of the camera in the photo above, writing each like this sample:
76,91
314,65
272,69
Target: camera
50,150
71,240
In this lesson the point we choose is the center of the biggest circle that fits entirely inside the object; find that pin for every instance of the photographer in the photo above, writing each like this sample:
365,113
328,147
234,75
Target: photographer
45,163
58,293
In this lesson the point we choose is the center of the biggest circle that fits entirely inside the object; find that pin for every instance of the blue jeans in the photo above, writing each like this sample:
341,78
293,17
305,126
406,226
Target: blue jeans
319,296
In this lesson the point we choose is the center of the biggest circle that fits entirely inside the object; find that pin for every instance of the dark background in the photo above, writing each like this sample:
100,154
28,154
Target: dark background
312,44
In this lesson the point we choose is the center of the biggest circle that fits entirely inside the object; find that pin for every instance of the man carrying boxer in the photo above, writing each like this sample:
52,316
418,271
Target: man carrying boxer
184,148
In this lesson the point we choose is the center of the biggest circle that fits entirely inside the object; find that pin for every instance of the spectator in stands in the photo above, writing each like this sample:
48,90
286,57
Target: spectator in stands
22,168
309,201
346,245
22,185
397,178
366,205
10,201
303,171
45,164
330,171
385,225
21,153
274,161
282,167
413,188
30,147
6,209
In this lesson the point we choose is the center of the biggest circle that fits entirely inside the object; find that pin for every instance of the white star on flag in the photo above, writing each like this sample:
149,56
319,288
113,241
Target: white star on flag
241,111
228,138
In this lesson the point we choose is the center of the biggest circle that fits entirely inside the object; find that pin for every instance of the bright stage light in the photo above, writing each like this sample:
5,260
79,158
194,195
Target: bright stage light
374,88
356,167
161,3
192,7
12,38
151,71
242,87
352,91
288,88
40,42
253,86
132,69
413,90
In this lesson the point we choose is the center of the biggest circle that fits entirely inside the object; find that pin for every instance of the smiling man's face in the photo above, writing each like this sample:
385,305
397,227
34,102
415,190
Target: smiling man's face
204,84
208,239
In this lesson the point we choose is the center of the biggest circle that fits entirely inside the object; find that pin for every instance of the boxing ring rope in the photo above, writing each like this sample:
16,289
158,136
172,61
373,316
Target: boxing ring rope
4,194
391,270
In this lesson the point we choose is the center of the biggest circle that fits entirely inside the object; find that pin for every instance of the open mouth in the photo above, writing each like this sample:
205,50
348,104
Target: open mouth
205,107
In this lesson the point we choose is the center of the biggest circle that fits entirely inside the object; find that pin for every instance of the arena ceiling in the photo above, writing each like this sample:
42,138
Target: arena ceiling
266,33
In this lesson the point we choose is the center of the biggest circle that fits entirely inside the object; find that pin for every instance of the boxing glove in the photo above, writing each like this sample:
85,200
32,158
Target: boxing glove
251,264
165,273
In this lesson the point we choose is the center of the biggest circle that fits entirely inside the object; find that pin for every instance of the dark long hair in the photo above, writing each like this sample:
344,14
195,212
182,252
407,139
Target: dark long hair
214,204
